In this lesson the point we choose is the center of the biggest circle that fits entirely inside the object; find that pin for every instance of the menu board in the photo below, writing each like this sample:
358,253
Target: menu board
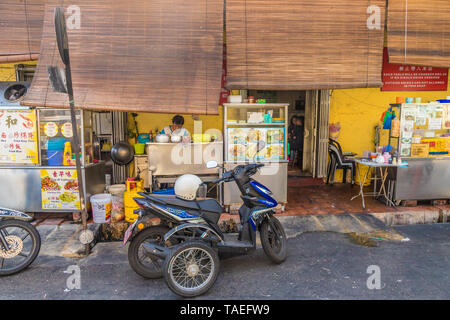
243,143
424,130
18,137
59,189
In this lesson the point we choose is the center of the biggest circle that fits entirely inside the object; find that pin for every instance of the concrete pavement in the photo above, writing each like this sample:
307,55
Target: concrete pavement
320,265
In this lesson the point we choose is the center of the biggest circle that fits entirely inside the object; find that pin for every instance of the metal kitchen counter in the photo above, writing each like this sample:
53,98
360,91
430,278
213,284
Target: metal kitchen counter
20,186
423,179
180,158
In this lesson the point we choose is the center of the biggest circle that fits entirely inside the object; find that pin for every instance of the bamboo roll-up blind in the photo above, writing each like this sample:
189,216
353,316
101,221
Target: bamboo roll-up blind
419,32
304,44
20,28
145,56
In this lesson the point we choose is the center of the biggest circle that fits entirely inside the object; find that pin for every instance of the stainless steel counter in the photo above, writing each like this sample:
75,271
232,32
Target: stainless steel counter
180,158
423,179
20,187
167,161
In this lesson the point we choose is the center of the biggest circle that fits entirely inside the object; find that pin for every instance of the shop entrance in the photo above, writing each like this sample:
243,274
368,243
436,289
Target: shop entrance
311,107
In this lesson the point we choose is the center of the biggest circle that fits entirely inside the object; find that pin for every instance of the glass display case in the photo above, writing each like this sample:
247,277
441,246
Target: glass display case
245,127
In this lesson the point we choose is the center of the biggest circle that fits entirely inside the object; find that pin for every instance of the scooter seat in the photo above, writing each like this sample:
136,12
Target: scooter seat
171,201
210,205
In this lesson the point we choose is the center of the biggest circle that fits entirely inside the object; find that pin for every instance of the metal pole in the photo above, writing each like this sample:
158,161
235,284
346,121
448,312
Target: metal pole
76,148
63,47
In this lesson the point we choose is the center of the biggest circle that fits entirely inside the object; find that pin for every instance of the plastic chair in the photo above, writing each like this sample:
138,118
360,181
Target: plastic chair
337,161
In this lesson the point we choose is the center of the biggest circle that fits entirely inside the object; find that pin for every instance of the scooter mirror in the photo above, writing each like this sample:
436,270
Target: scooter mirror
211,164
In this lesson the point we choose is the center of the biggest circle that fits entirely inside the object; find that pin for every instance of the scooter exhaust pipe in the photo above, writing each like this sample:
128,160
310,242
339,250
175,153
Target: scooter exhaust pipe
156,250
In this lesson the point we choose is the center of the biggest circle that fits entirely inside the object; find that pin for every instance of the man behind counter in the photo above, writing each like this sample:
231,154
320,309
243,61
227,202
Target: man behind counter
176,129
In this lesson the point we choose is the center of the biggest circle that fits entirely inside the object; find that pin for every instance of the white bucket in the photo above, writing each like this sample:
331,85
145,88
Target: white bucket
101,207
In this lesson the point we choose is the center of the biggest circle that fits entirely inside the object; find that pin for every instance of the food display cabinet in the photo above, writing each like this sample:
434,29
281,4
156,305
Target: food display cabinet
246,126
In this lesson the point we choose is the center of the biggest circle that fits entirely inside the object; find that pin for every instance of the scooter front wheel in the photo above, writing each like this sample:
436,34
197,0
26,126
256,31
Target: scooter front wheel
191,269
19,247
273,240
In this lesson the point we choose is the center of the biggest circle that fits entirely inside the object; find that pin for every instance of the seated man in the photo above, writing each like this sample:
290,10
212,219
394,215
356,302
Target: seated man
176,129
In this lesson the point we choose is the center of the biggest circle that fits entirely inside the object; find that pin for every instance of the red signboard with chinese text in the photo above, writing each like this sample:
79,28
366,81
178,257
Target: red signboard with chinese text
397,77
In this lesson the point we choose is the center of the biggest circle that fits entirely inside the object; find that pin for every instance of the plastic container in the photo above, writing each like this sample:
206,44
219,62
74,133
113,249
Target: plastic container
67,159
101,207
55,157
117,192
143,138
139,148
168,191
133,187
56,144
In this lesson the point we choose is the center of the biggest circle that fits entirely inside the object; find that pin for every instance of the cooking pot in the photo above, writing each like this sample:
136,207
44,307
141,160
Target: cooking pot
122,153
175,139
162,138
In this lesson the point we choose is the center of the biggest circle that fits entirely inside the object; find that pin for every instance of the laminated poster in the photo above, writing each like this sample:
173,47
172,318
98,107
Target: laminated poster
419,150
59,189
405,150
407,128
421,120
409,113
446,120
18,137
434,123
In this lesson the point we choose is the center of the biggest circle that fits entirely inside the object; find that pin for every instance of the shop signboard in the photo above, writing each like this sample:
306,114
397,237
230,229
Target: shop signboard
59,189
397,77
18,137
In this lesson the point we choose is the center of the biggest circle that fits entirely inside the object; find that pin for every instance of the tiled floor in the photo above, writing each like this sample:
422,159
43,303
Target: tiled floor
311,198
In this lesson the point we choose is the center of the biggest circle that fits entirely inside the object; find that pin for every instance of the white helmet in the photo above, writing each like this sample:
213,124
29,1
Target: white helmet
186,186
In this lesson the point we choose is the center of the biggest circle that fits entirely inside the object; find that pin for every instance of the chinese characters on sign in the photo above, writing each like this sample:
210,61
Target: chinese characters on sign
59,189
398,77
18,137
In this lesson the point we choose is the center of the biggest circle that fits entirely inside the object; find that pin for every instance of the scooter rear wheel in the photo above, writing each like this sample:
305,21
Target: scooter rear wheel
273,240
191,269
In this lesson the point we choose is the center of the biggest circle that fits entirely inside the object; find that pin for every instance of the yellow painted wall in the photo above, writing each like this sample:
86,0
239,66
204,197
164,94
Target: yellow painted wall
7,71
360,110
149,121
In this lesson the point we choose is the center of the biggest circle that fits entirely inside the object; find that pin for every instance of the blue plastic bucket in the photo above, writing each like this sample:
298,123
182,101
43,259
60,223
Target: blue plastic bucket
56,144
55,157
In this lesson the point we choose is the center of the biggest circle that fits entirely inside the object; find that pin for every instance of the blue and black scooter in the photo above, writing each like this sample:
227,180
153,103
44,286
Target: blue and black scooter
190,248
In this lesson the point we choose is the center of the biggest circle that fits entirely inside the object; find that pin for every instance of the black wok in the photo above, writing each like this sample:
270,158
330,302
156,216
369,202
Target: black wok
122,153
